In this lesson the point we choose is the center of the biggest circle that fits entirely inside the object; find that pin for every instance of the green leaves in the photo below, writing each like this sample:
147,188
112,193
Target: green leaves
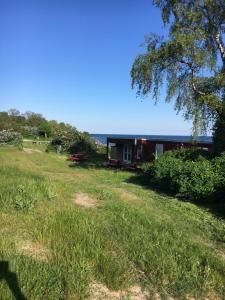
190,174
23,191
23,199
188,61
10,137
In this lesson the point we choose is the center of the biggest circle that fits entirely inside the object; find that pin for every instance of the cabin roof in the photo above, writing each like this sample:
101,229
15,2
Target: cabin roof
175,139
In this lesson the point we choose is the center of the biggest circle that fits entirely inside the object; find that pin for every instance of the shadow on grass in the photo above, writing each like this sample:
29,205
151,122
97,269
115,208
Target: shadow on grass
12,281
86,165
216,206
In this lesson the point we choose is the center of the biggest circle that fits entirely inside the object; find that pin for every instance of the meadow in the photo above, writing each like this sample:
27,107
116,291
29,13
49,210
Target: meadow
86,232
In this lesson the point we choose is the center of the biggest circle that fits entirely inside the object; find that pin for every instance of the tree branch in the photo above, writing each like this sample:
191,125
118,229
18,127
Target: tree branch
196,90
221,47
218,38
190,65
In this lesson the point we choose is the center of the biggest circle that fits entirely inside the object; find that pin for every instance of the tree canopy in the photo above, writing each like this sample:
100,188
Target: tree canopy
191,59
34,125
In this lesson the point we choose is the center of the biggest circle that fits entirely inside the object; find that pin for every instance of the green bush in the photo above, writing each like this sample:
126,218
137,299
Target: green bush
190,154
198,180
219,166
166,171
51,148
219,163
218,131
10,137
83,144
190,174
146,168
73,141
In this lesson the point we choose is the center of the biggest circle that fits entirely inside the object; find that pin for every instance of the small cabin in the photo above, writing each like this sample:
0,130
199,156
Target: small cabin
135,150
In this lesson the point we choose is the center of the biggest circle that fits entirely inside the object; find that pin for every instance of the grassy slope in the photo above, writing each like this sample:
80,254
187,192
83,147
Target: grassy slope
135,236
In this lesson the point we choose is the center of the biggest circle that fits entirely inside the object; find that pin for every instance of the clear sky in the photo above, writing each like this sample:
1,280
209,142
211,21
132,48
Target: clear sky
70,60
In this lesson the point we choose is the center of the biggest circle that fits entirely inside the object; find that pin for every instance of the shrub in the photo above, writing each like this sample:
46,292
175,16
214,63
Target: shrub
30,131
73,141
219,163
10,137
83,144
165,172
190,174
51,147
219,166
190,154
65,138
198,180
146,168
218,131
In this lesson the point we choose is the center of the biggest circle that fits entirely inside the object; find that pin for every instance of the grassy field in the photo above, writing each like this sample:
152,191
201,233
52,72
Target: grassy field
83,232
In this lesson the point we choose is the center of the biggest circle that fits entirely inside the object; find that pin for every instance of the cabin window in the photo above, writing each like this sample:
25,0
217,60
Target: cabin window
203,148
139,151
158,150
113,152
127,153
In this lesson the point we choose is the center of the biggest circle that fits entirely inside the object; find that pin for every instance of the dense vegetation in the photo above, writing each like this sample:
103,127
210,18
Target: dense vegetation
190,174
10,137
131,236
14,125
191,60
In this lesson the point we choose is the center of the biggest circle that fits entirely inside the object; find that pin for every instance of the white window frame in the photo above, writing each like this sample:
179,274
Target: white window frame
139,151
127,153
159,149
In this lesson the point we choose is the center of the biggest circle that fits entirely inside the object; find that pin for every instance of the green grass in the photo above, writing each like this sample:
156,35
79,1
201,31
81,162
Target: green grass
37,146
168,247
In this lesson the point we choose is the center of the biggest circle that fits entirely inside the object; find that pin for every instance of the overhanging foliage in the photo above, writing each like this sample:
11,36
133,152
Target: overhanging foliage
191,60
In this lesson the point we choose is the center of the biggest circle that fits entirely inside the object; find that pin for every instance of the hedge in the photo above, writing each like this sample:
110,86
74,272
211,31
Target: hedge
190,174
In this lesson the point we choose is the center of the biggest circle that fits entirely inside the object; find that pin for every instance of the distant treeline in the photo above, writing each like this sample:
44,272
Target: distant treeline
34,125
30,124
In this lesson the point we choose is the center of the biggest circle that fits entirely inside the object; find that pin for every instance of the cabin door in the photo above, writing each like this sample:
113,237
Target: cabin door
127,151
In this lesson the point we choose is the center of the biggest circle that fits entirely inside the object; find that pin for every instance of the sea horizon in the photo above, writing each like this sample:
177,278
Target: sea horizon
102,137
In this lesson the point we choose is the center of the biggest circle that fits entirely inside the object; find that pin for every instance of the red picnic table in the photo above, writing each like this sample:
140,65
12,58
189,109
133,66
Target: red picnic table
80,156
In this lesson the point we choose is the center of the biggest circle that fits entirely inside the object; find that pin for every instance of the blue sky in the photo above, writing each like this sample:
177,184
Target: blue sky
70,60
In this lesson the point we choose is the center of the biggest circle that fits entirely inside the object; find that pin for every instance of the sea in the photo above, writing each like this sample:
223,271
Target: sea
101,138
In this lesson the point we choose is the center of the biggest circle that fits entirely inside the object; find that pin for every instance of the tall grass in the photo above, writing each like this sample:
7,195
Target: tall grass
162,244
21,189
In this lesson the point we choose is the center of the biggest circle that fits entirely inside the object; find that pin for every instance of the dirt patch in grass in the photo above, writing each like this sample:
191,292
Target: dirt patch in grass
126,194
209,297
31,151
85,200
221,254
34,250
99,291
4,216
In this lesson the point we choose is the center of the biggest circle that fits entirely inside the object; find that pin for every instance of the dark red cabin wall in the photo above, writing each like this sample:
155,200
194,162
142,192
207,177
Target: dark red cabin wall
149,148
134,153
173,146
148,151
